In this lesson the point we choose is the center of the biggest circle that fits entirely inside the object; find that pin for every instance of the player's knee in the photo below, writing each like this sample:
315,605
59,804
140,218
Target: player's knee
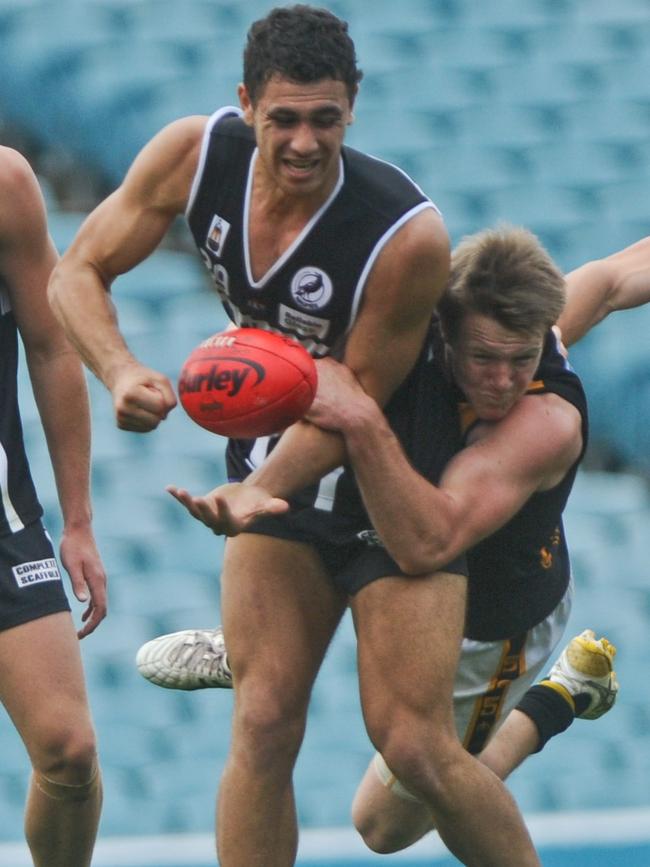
67,754
271,729
378,835
387,816
422,759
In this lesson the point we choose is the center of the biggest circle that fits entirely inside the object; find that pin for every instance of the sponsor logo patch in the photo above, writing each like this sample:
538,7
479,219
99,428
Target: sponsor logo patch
217,234
302,323
35,572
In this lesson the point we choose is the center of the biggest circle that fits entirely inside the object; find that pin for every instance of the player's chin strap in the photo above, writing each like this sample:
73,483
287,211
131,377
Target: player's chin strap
67,791
391,782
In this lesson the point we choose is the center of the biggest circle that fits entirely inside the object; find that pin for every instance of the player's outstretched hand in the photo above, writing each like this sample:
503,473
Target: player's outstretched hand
340,401
230,508
83,564
142,398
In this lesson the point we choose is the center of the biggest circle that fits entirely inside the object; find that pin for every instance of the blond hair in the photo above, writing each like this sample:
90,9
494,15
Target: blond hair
504,273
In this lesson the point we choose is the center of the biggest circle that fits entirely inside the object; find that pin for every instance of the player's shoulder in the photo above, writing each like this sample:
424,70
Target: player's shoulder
16,174
163,170
385,188
549,420
21,201
379,180
182,135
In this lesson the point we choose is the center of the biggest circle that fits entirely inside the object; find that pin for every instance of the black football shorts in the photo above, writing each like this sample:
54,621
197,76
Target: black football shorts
30,578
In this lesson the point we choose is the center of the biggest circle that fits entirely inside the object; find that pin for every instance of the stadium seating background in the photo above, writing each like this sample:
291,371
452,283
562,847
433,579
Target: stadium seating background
529,111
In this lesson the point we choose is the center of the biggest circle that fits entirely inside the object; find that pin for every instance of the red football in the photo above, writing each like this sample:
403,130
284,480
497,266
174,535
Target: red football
247,383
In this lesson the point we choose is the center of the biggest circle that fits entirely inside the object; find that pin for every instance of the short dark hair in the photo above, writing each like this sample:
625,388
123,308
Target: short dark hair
504,273
303,44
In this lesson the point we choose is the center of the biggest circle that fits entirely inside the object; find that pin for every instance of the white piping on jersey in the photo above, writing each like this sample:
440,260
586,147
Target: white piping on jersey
15,524
258,453
402,172
212,120
259,284
379,246
326,486
327,490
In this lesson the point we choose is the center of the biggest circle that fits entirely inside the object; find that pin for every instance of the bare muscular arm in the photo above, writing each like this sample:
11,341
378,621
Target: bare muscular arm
27,256
483,486
121,232
599,287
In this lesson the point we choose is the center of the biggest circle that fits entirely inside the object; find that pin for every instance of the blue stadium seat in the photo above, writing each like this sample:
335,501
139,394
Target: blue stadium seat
193,319
163,275
183,25
64,225
202,94
41,49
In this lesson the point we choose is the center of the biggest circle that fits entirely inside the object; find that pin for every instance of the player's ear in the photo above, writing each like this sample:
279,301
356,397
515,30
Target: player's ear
245,103
352,102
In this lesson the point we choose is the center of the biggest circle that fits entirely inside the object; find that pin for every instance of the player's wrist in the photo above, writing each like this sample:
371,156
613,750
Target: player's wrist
360,417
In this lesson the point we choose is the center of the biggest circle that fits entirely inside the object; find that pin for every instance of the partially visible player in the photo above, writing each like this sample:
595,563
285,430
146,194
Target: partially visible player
41,677
597,288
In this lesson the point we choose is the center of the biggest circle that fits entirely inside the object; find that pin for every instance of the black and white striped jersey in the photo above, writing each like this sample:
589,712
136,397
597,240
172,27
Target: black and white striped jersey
313,292
19,504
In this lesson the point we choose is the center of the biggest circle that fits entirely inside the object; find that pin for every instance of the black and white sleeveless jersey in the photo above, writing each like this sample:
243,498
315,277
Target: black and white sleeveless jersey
519,575
313,292
19,505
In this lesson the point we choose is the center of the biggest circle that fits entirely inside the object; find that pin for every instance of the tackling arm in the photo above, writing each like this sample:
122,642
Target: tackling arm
424,526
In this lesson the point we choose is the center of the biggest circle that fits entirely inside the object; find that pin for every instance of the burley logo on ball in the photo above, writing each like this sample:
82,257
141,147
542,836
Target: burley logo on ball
311,288
229,376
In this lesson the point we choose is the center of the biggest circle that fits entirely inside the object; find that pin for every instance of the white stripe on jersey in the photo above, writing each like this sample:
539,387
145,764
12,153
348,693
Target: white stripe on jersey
379,246
258,453
327,490
297,241
214,118
15,524
326,487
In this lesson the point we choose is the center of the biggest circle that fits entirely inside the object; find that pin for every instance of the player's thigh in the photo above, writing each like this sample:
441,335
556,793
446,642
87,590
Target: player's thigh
41,681
279,610
409,631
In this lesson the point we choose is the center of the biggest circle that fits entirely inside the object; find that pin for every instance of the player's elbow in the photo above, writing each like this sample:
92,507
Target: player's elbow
423,559
57,285
54,288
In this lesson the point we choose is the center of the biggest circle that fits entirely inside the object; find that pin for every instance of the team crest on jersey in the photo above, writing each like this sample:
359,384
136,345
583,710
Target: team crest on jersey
217,234
311,288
